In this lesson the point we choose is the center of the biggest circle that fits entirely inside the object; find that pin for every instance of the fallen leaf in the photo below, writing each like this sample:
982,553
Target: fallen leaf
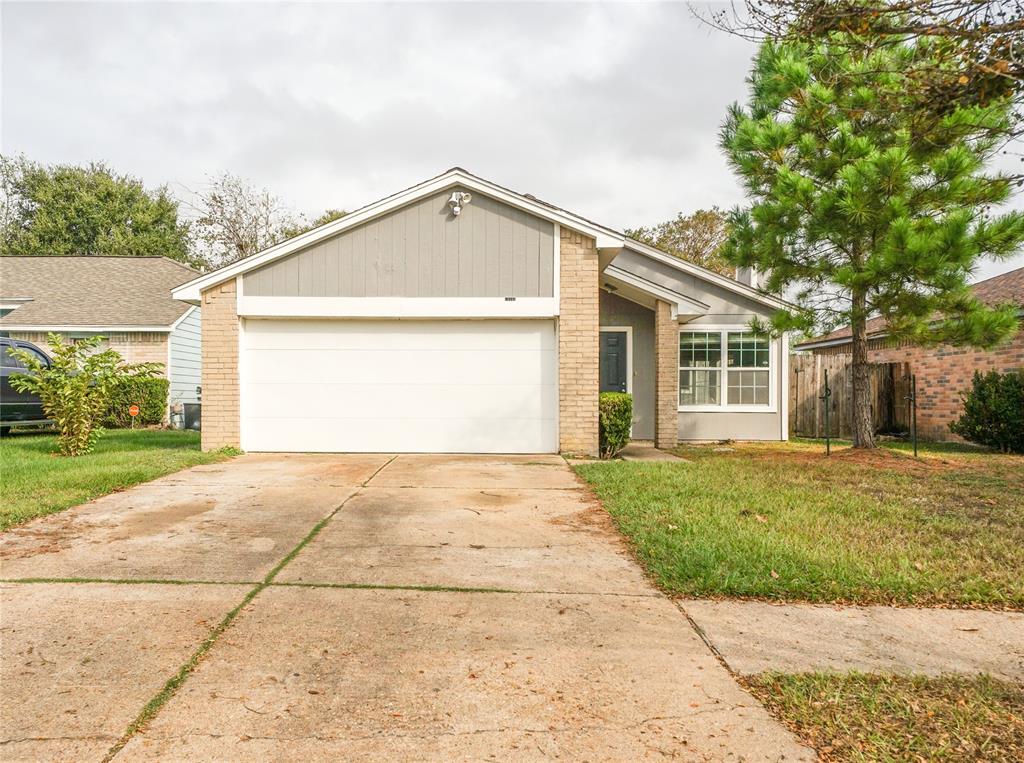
775,574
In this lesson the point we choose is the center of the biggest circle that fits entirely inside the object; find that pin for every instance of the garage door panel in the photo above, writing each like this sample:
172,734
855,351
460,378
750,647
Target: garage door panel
386,367
485,386
409,401
320,435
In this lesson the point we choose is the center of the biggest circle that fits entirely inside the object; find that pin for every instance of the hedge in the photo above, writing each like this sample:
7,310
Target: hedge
994,411
615,410
149,394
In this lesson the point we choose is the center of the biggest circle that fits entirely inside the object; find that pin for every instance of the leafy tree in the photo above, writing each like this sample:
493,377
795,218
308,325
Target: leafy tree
864,206
976,47
75,387
697,238
303,225
994,411
72,210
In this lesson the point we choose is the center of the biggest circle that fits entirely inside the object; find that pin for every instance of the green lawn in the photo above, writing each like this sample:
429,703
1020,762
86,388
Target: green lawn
782,521
858,717
35,482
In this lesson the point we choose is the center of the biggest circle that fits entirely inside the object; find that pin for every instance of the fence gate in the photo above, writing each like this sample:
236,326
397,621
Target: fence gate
890,385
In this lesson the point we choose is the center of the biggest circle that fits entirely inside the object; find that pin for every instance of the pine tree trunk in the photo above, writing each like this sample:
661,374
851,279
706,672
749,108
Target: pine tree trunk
863,429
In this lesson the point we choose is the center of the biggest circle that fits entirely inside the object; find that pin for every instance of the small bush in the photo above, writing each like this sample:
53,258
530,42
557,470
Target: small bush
74,386
150,394
616,416
994,411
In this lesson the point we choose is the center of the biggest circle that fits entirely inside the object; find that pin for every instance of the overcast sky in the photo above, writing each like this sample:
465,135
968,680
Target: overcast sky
611,111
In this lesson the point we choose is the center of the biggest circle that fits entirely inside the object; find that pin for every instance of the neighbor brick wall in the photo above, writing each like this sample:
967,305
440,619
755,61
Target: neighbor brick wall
578,340
942,372
220,367
666,385
133,346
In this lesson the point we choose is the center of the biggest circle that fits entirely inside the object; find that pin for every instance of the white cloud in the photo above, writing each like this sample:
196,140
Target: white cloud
611,110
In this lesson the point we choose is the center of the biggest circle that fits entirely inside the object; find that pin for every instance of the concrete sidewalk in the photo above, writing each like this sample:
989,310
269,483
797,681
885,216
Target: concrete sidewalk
372,607
807,637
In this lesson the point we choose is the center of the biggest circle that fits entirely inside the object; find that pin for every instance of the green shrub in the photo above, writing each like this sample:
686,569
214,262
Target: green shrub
994,411
150,394
616,416
75,385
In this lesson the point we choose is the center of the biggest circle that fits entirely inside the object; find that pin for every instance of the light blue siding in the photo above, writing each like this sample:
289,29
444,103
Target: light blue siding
186,360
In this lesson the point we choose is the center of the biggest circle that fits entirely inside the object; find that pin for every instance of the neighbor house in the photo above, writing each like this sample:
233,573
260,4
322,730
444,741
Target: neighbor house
127,300
943,371
459,316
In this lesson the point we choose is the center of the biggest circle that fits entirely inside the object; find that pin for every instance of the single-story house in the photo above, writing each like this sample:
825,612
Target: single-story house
460,316
943,371
125,299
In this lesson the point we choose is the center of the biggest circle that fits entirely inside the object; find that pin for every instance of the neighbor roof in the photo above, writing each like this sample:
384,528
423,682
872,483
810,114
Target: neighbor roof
604,237
998,290
94,292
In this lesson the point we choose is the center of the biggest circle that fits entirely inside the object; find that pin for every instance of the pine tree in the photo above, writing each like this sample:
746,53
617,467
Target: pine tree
865,206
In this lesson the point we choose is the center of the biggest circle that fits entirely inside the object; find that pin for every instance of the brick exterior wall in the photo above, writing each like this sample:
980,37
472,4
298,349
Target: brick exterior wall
942,372
134,346
221,412
666,384
578,341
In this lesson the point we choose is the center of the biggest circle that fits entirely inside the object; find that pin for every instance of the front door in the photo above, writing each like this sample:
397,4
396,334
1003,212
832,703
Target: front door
614,361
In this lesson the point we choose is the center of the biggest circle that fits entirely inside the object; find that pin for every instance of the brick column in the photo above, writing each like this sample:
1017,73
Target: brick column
219,323
578,339
666,385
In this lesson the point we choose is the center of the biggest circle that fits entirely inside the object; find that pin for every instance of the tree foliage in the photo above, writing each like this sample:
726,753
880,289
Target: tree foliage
994,411
975,47
87,210
236,219
75,387
697,238
864,205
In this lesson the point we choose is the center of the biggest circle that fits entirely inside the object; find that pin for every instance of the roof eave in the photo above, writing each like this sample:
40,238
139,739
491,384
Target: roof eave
708,275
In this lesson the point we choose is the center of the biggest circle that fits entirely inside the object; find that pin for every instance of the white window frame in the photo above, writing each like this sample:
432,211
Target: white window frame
723,391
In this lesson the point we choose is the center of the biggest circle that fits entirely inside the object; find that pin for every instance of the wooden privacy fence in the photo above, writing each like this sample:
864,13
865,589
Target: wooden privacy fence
890,386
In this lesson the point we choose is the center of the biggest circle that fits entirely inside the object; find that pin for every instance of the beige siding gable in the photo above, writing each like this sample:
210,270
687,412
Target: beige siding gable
422,250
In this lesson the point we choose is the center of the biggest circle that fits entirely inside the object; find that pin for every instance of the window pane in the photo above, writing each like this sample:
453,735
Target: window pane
698,387
747,387
8,360
747,350
700,349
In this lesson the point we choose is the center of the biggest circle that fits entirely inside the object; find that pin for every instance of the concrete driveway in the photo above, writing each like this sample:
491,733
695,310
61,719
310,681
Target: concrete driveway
300,607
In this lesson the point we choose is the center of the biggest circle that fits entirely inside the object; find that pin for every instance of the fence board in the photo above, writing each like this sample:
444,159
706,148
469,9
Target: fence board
890,385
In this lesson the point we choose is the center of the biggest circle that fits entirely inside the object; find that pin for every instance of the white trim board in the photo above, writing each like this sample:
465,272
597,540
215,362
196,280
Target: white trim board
397,307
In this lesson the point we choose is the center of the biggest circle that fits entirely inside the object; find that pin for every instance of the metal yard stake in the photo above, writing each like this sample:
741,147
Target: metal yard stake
912,397
828,430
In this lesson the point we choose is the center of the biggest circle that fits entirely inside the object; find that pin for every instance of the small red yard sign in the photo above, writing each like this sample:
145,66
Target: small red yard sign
133,411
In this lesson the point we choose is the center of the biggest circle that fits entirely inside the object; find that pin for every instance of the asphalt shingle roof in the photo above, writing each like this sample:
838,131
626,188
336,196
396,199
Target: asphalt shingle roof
93,291
998,290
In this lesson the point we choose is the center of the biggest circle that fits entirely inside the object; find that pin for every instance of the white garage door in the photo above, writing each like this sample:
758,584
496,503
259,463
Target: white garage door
472,386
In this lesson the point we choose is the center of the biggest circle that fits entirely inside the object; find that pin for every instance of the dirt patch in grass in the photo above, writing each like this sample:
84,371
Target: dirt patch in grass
863,717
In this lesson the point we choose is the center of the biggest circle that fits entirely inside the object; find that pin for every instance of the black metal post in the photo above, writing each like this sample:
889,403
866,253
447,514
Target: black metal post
913,403
826,397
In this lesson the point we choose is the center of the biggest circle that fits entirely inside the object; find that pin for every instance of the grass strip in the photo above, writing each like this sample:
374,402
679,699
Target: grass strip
401,587
864,717
118,581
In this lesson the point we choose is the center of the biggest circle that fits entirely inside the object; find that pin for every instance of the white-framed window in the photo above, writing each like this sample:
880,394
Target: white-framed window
726,369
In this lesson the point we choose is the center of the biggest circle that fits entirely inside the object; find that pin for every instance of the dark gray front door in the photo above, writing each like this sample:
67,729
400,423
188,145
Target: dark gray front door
614,363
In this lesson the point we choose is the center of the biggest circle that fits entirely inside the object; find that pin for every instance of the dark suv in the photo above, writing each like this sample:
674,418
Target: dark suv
17,408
